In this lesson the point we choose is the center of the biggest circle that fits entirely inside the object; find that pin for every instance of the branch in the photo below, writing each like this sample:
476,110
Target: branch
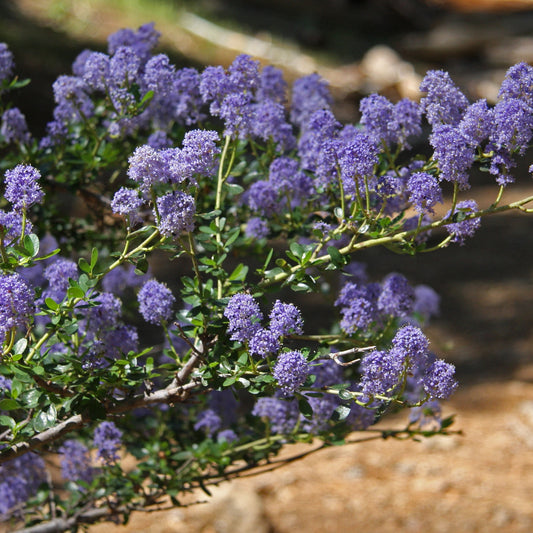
175,392
63,524
400,236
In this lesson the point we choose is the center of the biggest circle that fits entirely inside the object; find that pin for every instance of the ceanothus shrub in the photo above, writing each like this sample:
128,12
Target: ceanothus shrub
237,188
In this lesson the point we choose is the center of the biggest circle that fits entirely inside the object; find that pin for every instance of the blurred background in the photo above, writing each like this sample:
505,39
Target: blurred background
481,481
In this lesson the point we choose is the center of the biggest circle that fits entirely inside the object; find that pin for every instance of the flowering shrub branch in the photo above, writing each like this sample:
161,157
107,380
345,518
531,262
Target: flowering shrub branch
241,189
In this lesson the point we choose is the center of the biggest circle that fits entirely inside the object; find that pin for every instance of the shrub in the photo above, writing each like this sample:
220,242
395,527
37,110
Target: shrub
252,195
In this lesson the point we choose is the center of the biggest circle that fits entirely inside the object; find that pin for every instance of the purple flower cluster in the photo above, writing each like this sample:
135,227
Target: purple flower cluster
413,344
327,373
388,123
76,462
198,157
19,480
156,302
121,278
286,188
220,413
513,123
427,302
13,127
385,372
237,113
22,189
16,303
147,167
462,229
309,94
512,130
159,140
358,304
73,103
244,317
105,314
444,103
110,75
142,41
396,297
291,371
5,385
7,64
272,86
317,145
356,161
476,124
57,273
438,381
264,342
176,212
257,228
127,202
453,153
281,413
248,101
518,83
425,192
107,439
208,421
263,198
269,123
363,305
285,319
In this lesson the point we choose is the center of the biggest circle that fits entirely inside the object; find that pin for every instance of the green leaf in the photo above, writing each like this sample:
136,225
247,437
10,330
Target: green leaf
31,398
147,97
7,421
345,395
31,244
297,249
267,260
8,404
94,258
244,382
39,370
75,292
84,265
233,188
51,304
447,422
45,419
141,267
206,229
16,388
336,257
233,235
20,346
239,274
340,413
305,408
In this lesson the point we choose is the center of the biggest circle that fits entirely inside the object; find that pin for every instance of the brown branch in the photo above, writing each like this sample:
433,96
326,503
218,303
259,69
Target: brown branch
63,524
52,387
173,393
